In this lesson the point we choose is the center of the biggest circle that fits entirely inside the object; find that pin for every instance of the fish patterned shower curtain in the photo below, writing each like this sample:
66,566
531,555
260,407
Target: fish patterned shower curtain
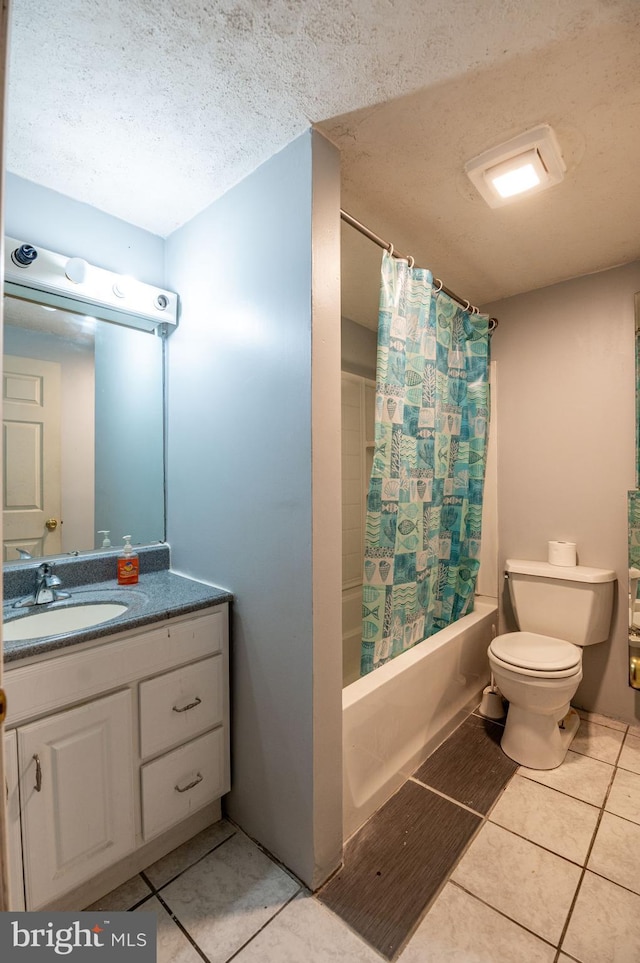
424,506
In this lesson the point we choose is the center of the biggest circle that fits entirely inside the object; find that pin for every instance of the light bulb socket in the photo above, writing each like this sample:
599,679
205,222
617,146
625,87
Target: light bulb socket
24,256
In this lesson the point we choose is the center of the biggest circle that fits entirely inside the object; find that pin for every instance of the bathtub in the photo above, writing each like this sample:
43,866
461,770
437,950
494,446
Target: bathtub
395,716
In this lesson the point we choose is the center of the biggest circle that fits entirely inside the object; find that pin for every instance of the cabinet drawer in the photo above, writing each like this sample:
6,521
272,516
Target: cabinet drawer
71,676
182,781
181,704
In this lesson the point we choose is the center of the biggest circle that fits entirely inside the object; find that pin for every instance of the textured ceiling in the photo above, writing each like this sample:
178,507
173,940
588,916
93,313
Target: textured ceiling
417,195
150,110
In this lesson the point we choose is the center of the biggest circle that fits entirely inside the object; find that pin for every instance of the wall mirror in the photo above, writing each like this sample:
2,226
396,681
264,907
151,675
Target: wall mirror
83,432
634,532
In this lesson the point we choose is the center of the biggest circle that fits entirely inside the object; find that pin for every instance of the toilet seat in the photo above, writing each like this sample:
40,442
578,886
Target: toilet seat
536,655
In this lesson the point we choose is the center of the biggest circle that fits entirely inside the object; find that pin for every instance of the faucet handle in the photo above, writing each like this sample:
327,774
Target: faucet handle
46,574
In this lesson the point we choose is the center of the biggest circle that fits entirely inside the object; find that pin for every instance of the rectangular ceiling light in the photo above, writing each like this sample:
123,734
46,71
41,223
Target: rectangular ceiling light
522,166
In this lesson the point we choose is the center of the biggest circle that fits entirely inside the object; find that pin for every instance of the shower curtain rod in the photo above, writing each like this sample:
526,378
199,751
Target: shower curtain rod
349,219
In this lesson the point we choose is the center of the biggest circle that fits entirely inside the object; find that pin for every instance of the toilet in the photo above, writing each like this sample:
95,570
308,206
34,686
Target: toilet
558,610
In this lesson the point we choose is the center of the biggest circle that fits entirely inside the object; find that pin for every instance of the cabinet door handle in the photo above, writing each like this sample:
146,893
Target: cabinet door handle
38,786
195,782
191,705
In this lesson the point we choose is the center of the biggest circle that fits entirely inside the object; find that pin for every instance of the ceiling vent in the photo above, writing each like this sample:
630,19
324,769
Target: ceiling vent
524,165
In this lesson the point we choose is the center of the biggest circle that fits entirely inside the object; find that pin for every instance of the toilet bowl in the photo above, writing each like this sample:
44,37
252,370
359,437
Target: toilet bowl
538,675
538,669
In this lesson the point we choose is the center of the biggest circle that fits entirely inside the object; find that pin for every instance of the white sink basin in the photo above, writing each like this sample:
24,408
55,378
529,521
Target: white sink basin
58,621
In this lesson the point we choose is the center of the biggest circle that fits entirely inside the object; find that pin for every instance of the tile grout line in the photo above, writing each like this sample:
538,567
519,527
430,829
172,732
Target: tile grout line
484,818
265,852
524,775
140,902
443,795
263,927
156,889
632,892
158,894
572,906
348,925
460,807
541,846
184,931
501,913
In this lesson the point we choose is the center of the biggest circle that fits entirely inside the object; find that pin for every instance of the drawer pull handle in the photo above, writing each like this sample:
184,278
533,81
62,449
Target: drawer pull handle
38,786
195,782
191,705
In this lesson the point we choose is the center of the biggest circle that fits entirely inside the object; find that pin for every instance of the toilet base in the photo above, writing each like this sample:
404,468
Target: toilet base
537,741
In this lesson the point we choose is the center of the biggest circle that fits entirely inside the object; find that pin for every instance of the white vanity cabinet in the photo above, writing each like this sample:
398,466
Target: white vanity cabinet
118,743
14,836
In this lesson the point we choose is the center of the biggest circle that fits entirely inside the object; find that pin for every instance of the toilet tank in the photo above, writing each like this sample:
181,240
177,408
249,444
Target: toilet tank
573,603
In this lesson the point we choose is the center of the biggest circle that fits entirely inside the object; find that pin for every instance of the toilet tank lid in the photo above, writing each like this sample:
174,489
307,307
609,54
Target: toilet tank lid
569,573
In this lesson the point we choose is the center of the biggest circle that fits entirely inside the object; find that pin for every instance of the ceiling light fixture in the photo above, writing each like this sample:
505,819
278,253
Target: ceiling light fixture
526,164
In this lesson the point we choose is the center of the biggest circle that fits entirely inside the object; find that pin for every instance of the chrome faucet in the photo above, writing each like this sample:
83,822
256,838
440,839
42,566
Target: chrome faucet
47,589
47,585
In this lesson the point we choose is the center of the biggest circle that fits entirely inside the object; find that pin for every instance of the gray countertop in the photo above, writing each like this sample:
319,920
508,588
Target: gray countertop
157,596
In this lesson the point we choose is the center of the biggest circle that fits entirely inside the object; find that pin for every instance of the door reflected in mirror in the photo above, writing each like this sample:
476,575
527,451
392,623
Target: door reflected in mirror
83,432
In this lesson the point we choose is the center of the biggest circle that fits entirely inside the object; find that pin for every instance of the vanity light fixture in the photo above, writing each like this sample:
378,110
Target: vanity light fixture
76,270
35,274
121,287
524,165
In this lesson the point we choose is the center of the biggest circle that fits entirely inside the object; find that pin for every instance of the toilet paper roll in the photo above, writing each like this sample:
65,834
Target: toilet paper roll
562,553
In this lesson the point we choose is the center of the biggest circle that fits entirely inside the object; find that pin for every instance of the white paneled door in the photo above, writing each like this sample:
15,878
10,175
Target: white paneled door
31,445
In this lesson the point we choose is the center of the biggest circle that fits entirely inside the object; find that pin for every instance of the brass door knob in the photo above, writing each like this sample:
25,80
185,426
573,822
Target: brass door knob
51,524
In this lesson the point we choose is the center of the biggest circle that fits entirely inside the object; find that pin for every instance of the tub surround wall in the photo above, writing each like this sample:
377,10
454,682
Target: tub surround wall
565,356
359,349
254,482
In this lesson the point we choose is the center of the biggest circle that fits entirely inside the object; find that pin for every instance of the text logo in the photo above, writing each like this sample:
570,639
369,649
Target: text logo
80,937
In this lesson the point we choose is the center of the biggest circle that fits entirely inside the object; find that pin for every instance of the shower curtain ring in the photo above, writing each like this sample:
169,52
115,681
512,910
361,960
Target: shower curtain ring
390,249
439,288
467,305
411,261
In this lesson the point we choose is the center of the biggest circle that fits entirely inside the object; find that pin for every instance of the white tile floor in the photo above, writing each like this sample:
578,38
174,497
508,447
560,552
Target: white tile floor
551,876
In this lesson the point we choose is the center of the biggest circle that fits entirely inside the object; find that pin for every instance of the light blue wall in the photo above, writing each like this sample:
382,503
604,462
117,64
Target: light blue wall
239,479
241,505
43,217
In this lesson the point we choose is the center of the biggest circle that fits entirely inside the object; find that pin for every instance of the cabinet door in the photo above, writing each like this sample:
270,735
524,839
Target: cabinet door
76,781
16,883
